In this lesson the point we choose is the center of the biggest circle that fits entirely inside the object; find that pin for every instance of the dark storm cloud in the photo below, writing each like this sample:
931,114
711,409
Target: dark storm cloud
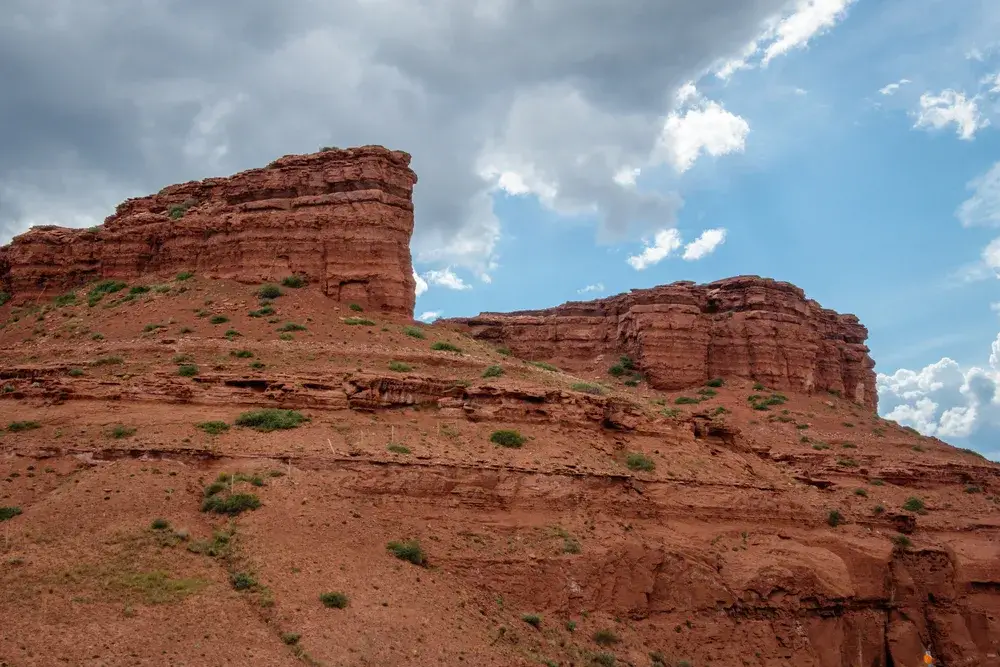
112,98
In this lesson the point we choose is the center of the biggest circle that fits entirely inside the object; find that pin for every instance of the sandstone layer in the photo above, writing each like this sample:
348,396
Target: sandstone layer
341,218
682,334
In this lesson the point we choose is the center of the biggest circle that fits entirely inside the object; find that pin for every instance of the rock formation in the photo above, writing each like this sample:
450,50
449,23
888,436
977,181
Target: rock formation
683,334
341,218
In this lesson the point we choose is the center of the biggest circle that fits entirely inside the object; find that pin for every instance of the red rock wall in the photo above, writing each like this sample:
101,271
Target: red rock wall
682,334
343,218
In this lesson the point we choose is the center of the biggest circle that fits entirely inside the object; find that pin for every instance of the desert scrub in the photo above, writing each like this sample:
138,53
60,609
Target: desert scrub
187,370
359,322
507,438
185,275
271,419
834,518
639,462
534,620
219,319
493,371
159,524
334,600
294,281
902,541
408,550
68,299
98,291
444,346
153,326
913,504
75,372
257,365
269,292
9,512
400,367
242,581
605,638
213,427
19,426
414,332
107,361
545,366
263,311
398,449
232,334
715,382
686,400
586,388
291,326
624,365
241,354
120,431
356,308
230,503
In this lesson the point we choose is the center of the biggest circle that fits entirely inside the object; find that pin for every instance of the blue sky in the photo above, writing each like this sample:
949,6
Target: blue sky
847,146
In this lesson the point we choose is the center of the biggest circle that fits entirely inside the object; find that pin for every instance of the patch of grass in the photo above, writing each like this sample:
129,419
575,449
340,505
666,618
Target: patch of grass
68,299
187,370
902,541
213,427
120,431
444,346
157,587
624,366
104,287
507,438
271,419
716,382
286,336
847,463
571,626
757,386
670,413
834,518
493,371
241,354
398,449
153,327
819,446
707,392
20,426
861,492
586,388
334,600
414,332
232,504
358,322
408,550
9,512
4,297
686,400
159,524
75,372
878,509
257,365
232,334
639,462
545,366
963,450
758,402
876,482
400,367
242,581
914,504
356,308
177,211
294,281
503,351
606,660
219,319
269,292
107,361
534,620
136,290
605,638
263,311
182,358
185,275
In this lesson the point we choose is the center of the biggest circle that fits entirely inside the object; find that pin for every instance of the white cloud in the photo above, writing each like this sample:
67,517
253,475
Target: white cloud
801,91
947,401
597,287
664,243
700,126
893,87
937,111
811,18
995,307
982,209
705,244
446,278
429,315
993,80
421,284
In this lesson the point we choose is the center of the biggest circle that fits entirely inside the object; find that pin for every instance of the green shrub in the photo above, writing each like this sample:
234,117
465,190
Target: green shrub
290,638
187,370
159,524
686,400
136,290
7,513
586,388
408,550
356,308
242,581
834,518
359,321
414,332
400,367
571,626
861,492
607,660
18,427
291,326
878,509
534,620
707,392
333,600
398,449
4,297
902,541
493,371
96,336
241,354
286,336
271,419
120,431
637,461
847,463
153,327
545,366
232,333
232,505
106,287
605,638
213,427
75,372
219,319
913,504
294,281
182,358
68,299
715,382
269,292
507,438
257,365
107,361
185,275
263,311
503,350
444,346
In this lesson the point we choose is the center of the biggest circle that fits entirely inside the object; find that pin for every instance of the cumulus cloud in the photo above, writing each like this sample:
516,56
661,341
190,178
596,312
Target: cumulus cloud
535,97
891,88
446,278
944,400
596,287
705,244
429,315
701,126
664,243
421,284
950,106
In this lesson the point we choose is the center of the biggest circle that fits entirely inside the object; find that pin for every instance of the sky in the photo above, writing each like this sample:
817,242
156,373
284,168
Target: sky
573,150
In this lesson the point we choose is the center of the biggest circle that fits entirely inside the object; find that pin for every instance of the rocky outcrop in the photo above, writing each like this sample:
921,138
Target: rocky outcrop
683,334
341,218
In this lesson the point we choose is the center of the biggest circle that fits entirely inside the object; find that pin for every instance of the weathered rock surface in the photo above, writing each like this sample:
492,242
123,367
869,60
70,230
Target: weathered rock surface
683,334
342,218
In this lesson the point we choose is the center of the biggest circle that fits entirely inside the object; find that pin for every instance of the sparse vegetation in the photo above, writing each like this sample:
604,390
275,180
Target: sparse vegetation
408,550
400,367
271,419
359,322
507,438
232,334
586,388
294,281
624,365
187,370
396,448
355,307
334,600
68,299
263,311
286,336
686,400
231,504
639,462
545,366
185,275
444,346
96,336
715,382
847,463
861,492
219,319
159,524
177,211
605,638
493,371
534,620
758,402
503,351
291,326
414,332
21,426
242,581
9,512
153,327
120,431
269,292
75,372
105,287
902,541
757,386
213,427
914,504
241,354
606,660
834,518
136,290
4,297
257,365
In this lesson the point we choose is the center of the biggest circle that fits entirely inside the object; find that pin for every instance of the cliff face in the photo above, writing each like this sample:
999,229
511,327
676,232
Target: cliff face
342,218
683,334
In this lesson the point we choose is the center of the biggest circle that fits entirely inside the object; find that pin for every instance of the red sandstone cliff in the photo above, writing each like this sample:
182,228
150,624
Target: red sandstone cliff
342,218
683,334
